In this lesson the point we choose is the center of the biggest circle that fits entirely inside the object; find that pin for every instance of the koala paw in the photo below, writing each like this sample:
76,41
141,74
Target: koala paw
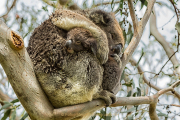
117,58
107,96
102,54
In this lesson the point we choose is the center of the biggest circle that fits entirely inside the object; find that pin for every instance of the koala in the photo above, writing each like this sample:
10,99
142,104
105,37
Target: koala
69,77
108,23
80,39
112,67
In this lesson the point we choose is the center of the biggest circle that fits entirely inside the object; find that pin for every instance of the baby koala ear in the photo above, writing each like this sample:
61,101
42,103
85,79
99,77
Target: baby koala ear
91,43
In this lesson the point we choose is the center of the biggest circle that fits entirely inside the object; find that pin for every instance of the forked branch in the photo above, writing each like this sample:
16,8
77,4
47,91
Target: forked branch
152,108
137,36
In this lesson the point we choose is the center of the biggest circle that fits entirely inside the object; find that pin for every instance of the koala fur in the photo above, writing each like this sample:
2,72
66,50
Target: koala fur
69,78
108,23
80,39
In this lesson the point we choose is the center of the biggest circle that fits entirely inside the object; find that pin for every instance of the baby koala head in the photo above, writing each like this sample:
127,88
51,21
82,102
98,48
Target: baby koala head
116,49
80,39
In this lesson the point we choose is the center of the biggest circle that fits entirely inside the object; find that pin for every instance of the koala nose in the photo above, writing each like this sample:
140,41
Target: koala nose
117,48
68,43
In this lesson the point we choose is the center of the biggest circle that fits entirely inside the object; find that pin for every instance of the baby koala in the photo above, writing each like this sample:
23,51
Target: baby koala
80,39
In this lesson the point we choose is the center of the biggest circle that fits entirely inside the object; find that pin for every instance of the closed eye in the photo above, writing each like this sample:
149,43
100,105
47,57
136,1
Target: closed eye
78,42
113,36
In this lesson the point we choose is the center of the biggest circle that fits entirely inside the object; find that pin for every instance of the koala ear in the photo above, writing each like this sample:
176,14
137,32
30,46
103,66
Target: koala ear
100,17
92,44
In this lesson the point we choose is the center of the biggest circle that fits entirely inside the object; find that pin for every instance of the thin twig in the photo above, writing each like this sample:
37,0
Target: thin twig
133,16
9,9
167,62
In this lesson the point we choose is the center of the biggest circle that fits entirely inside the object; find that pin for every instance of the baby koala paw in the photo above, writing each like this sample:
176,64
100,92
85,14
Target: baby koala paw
117,59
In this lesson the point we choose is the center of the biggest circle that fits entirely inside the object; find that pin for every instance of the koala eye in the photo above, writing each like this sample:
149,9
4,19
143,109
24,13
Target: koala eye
113,36
78,42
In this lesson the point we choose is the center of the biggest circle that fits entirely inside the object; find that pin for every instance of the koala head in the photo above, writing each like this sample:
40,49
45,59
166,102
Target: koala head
108,23
80,39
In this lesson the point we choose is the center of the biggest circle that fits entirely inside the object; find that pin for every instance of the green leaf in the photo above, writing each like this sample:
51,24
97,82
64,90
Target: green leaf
143,2
5,106
162,114
129,110
6,114
129,93
178,27
45,8
13,115
142,53
127,84
25,116
124,34
15,101
130,117
138,91
112,6
134,95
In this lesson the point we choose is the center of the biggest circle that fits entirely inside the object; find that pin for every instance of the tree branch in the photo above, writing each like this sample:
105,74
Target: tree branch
152,107
19,70
137,36
134,63
169,51
133,16
9,9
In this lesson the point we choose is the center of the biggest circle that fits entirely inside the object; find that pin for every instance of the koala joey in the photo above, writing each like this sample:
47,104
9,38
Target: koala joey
80,39
108,23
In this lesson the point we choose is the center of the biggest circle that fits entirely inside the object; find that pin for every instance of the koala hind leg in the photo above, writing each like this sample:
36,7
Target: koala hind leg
107,96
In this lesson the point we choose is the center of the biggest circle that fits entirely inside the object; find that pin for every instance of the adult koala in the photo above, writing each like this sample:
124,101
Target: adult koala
68,79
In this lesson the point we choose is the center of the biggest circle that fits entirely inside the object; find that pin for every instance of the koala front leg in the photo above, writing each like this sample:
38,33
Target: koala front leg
107,96
68,20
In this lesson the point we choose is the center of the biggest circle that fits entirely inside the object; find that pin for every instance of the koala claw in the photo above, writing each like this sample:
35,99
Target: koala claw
117,58
108,97
103,58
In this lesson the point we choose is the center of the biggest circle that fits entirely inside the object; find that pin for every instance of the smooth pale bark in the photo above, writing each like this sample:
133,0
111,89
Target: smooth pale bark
19,70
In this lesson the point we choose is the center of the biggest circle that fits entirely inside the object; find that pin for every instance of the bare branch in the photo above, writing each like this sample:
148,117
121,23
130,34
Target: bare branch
169,51
175,105
152,107
177,11
136,38
133,16
133,62
9,9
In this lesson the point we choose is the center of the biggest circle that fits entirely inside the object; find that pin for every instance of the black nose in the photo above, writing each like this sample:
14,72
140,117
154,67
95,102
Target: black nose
68,43
117,49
